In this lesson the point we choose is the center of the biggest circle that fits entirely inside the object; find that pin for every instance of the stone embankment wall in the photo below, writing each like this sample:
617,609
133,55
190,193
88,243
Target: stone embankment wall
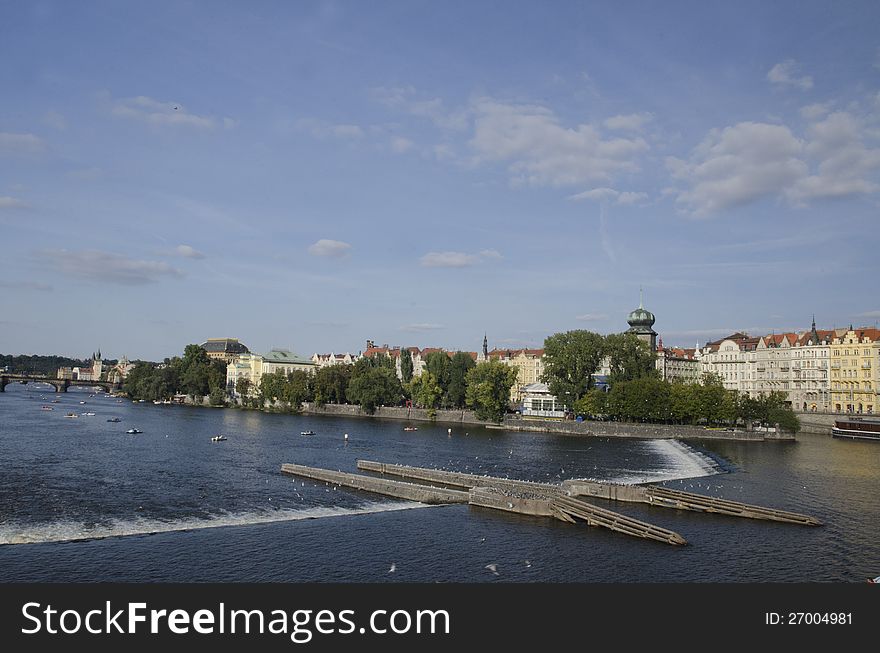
396,412
819,423
812,423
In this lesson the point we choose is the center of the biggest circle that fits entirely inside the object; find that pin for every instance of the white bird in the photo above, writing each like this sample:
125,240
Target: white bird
393,567
482,539
493,568
509,505
528,563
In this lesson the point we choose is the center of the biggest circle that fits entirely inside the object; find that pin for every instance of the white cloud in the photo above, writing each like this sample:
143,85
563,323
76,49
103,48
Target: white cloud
323,129
55,120
421,327
737,165
540,151
188,252
844,160
749,161
26,285
13,143
109,268
400,144
458,259
785,72
816,111
610,195
632,122
407,100
7,202
591,317
448,260
331,248
156,112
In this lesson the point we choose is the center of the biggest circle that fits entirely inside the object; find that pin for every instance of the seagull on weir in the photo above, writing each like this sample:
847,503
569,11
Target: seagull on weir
393,568
493,568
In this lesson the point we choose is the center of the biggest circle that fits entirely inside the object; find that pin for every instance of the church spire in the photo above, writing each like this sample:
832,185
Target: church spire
485,346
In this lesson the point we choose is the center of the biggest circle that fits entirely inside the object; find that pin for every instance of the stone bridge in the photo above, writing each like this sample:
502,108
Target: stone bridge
60,385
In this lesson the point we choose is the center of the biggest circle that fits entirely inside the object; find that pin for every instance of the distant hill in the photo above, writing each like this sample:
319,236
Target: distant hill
47,365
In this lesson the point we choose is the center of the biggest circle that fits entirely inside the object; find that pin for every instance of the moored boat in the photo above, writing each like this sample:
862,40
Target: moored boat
306,432
856,428
219,438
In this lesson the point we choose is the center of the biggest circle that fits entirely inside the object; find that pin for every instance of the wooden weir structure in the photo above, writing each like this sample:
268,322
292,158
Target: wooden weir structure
560,501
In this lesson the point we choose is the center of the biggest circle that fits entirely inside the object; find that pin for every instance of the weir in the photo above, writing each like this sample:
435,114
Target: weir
520,497
654,495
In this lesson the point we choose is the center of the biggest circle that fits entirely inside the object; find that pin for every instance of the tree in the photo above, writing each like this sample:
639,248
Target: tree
712,394
592,404
331,384
406,365
243,387
488,389
374,386
570,360
456,391
426,392
437,363
629,358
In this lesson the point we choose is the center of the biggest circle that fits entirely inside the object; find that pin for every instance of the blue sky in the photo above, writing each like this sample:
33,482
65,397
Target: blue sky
313,174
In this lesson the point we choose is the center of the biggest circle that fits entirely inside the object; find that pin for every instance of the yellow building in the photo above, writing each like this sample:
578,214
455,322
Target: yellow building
855,358
530,366
253,366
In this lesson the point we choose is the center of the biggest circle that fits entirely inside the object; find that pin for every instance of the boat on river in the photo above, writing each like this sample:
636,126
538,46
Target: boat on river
134,431
856,428
307,433
219,438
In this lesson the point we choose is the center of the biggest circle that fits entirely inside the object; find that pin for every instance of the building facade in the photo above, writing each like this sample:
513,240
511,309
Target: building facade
225,349
854,360
254,366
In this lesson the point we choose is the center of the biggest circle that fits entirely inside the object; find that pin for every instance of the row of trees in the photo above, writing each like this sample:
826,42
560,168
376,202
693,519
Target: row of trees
654,400
637,391
193,374
572,358
446,382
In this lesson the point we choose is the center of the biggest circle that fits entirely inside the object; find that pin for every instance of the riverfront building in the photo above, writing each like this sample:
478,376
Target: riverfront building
253,366
225,349
855,360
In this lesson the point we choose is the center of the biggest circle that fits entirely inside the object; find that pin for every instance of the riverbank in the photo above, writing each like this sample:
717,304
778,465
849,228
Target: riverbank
517,423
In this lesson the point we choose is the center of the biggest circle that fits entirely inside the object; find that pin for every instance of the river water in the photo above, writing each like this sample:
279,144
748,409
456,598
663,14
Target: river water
82,500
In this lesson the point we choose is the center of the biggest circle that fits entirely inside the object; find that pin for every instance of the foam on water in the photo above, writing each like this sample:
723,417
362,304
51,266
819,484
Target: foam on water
69,531
678,460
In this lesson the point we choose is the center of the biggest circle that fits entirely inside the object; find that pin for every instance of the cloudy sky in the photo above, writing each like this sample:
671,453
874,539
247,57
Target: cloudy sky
313,174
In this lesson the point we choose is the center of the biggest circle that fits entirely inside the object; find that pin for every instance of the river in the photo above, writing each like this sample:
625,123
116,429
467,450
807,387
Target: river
82,500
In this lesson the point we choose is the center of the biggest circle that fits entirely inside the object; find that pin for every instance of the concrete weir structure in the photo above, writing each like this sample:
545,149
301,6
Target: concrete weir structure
654,495
436,486
519,497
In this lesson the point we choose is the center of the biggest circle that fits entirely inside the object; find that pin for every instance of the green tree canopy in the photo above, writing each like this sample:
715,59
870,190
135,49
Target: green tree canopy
373,387
331,384
406,365
488,389
629,358
456,391
570,360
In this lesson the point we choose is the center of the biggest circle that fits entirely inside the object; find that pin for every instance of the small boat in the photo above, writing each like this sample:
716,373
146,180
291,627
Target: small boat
134,431
410,428
874,581
219,438
71,415
306,432
82,402
114,419
55,401
89,414
46,408
857,428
